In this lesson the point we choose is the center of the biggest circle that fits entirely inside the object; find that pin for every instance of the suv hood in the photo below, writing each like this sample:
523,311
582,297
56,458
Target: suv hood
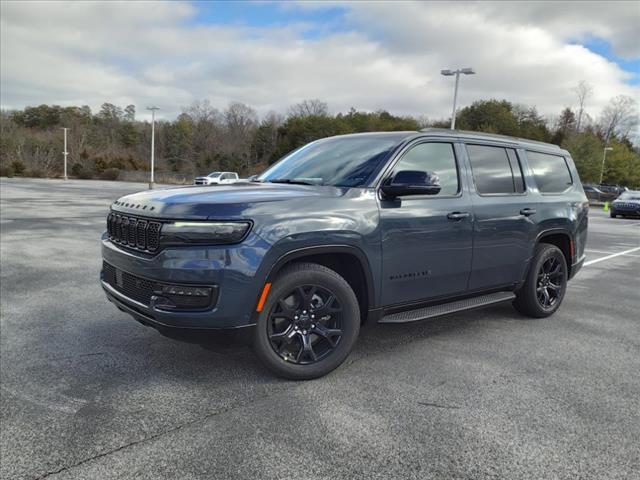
225,201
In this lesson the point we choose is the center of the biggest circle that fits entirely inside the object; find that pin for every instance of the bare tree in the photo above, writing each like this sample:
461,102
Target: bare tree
583,91
308,108
202,111
618,117
241,122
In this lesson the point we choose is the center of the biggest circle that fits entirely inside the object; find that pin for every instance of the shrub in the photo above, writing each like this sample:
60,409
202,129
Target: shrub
101,164
18,167
76,169
85,174
35,173
6,171
110,174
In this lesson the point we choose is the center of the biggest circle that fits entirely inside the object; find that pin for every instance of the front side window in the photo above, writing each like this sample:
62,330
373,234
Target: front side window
347,161
550,172
496,170
437,158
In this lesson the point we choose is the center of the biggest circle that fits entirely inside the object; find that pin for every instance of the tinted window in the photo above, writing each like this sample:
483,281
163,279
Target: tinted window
550,172
347,161
495,170
437,158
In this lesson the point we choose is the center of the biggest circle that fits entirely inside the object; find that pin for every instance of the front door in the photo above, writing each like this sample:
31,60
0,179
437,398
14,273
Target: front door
427,239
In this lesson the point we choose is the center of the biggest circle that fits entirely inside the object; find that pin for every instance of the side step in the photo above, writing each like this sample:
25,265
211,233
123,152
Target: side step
446,308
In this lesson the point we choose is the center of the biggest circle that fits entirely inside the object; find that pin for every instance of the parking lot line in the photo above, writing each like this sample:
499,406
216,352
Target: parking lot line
596,260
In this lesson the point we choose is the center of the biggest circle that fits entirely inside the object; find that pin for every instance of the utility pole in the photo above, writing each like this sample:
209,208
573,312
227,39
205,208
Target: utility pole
153,142
449,73
604,158
65,154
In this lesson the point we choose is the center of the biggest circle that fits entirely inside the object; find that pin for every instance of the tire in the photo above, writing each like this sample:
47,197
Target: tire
283,330
543,276
612,214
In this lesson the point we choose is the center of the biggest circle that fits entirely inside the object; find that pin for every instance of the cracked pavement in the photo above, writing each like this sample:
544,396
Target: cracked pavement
86,392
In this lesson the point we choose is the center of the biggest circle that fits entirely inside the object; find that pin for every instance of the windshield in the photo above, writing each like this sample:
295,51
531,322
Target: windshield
630,195
214,174
346,161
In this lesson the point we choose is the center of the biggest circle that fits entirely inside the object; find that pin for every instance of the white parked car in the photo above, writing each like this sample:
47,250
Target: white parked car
217,178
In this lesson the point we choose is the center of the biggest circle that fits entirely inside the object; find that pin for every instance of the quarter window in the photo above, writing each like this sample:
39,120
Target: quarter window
550,172
437,158
496,170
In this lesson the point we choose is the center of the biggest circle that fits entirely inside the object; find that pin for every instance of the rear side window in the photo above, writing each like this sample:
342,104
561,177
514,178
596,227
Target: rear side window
437,158
496,170
550,172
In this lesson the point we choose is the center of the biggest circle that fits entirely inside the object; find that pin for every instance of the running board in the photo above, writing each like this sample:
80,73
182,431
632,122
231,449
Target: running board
446,308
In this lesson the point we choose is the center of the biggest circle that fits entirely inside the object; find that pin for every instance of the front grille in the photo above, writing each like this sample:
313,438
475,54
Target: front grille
168,296
629,206
133,232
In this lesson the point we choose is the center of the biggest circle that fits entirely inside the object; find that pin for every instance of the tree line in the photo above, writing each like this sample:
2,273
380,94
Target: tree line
203,138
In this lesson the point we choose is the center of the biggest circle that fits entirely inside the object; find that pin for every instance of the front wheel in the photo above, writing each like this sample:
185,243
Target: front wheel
308,324
612,214
545,285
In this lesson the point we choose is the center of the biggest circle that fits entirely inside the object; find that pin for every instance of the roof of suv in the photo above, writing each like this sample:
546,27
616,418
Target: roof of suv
491,137
465,134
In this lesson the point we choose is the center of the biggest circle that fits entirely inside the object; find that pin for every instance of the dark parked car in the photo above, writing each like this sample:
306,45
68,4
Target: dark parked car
594,193
378,227
626,205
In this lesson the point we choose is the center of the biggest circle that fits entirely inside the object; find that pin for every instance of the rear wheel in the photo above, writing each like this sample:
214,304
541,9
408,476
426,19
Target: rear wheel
309,323
545,285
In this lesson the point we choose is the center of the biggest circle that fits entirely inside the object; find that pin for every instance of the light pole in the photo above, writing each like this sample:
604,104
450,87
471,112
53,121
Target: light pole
153,141
449,73
604,158
65,154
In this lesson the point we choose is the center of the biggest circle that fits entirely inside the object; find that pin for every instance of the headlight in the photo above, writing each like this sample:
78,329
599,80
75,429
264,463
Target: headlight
212,233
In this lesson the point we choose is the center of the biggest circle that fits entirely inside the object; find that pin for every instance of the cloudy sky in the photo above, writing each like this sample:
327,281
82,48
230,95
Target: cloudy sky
367,55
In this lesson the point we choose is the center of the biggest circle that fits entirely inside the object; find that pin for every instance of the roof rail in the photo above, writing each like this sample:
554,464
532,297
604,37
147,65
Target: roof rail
469,133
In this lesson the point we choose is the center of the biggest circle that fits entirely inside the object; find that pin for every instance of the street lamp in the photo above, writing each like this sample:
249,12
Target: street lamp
604,157
450,73
65,153
153,140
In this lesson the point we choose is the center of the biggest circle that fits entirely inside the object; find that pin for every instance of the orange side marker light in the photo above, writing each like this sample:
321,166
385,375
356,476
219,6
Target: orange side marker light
263,297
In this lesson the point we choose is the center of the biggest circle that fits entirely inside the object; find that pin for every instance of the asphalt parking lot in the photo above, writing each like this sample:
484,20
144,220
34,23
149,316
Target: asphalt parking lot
86,392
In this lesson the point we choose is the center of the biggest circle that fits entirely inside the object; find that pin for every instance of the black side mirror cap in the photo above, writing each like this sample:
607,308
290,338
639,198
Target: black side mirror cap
411,182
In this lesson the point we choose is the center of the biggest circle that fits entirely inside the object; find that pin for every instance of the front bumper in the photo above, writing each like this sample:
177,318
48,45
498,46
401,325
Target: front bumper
626,209
230,269
166,325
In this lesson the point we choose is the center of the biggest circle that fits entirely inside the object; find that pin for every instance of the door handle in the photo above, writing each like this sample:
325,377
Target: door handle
527,211
457,215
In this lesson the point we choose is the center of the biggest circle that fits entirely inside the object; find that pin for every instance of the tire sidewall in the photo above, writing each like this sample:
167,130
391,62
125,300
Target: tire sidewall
545,252
285,283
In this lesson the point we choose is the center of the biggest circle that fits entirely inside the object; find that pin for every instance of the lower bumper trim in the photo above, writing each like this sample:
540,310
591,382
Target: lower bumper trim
186,333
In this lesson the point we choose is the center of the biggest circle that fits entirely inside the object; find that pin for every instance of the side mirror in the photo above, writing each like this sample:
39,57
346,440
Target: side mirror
411,182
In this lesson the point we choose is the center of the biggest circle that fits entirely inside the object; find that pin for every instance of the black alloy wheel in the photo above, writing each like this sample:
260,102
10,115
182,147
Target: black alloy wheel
309,322
545,284
305,324
549,282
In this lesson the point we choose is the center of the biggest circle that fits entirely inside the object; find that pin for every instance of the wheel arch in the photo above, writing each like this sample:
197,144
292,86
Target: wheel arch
561,238
348,261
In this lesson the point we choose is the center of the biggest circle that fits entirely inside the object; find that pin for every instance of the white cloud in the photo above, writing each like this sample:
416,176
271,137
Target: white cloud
389,57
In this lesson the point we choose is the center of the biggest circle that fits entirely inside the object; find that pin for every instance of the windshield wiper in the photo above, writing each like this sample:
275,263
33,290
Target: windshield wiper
291,181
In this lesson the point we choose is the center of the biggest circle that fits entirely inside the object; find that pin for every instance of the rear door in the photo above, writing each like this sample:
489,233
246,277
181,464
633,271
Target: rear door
426,239
505,216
